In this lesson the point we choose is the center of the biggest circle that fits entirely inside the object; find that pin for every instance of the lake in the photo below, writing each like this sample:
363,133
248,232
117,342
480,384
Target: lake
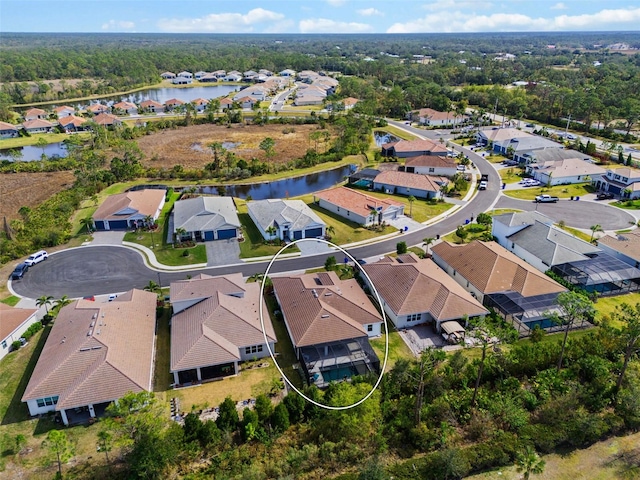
185,94
287,187
31,153
381,138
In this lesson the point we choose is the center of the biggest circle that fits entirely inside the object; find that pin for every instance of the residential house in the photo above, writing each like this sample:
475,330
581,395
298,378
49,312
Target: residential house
200,104
311,95
215,326
249,76
349,103
285,219
329,322
94,355
563,172
199,75
440,165
38,126
433,118
517,147
623,246
129,209
359,207
498,279
13,323
415,291
287,72
206,218
8,130
219,74
185,74
364,178
208,78
552,154
533,237
413,148
173,104
64,111
226,103
35,114
97,109
247,103
496,137
410,184
151,106
620,181
265,72
256,92
233,77
180,80
125,107
107,120
72,123
168,75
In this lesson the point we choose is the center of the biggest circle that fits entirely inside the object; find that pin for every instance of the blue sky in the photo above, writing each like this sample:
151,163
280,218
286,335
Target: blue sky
317,16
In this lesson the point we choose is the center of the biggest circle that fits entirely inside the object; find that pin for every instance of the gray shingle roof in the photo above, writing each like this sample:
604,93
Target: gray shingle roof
205,214
294,212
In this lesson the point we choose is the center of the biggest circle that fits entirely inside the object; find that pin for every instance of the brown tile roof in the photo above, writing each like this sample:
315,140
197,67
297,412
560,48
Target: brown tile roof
200,101
626,243
410,285
86,364
430,161
215,329
97,108
7,126
150,103
63,108
37,123
226,101
106,119
173,102
432,114
415,146
34,112
322,311
145,202
124,105
72,119
246,99
355,200
350,101
11,318
492,268
410,180
205,285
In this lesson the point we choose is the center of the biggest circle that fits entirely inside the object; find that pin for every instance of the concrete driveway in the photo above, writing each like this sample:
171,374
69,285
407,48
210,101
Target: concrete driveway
113,237
314,247
222,252
404,221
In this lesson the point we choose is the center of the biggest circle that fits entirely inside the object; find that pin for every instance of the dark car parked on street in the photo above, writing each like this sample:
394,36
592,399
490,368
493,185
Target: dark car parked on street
19,271
605,196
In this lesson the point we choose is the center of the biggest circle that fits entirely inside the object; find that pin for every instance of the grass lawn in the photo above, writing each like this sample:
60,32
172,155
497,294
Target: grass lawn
577,233
423,210
560,191
167,255
162,378
396,132
606,306
474,230
500,211
495,158
510,175
627,204
12,301
397,348
9,143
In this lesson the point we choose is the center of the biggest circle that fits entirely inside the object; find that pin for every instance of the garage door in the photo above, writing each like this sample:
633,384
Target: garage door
614,190
99,224
228,233
208,236
313,232
297,235
118,224
389,215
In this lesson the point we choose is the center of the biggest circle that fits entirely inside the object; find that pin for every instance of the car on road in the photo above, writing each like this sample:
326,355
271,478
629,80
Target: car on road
546,199
530,125
483,185
19,271
460,168
605,196
37,257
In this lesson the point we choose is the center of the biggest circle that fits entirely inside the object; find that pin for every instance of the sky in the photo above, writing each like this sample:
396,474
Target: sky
317,16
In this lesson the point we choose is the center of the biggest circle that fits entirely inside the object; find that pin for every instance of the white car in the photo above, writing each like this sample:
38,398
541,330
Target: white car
36,258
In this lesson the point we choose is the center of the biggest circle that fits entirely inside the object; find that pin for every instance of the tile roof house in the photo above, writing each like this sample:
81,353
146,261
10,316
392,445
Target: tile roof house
624,246
182,80
358,207
533,237
168,75
151,106
226,103
172,103
200,104
413,148
403,183
38,126
620,181
126,107
208,78
64,111
524,145
498,136
206,218
72,123
329,322
501,280
13,323
349,103
107,120
566,171
215,325
95,354
290,219
431,165
247,103
129,209
434,118
553,154
35,114
8,130
97,108
415,291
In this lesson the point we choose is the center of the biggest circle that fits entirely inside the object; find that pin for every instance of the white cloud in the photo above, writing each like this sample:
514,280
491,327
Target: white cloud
222,22
447,21
336,3
118,25
369,12
457,4
324,25
559,6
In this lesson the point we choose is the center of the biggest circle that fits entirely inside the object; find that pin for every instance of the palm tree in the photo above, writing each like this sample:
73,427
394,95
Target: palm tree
179,234
374,215
427,241
152,286
148,220
87,223
529,462
330,230
63,301
45,300
272,230
594,229
411,200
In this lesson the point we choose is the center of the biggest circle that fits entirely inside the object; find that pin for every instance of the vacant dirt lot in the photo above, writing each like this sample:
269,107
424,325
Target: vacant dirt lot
29,189
188,146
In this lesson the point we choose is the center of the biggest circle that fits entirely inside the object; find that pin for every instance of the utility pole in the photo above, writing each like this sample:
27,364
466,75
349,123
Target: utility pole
566,130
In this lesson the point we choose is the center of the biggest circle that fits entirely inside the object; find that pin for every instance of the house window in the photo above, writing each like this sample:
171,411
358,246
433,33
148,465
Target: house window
348,213
414,317
253,349
4,344
431,170
625,179
617,177
48,401
370,328
338,209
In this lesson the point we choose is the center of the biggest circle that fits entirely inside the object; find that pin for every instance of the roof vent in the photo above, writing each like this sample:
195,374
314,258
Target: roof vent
326,315
328,294
92,324
95,315
85,349
315,294
89,333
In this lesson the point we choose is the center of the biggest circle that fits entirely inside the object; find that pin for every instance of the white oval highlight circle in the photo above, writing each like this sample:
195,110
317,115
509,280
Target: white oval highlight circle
384,318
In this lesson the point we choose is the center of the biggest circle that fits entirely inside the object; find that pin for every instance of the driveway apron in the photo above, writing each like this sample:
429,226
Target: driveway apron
222,252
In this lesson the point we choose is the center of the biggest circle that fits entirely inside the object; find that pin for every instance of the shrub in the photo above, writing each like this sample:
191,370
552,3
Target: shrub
401,248
16,345
32,330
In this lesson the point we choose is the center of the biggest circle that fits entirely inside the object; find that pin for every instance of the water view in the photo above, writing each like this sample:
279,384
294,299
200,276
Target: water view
185,94
31,153
381,138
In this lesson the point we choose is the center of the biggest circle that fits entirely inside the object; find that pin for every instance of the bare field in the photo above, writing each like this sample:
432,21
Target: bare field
188,146
29,189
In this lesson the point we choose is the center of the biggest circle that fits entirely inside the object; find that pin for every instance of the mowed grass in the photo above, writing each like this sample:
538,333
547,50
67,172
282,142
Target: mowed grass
398,350
510,175
421,211
560,191
606,306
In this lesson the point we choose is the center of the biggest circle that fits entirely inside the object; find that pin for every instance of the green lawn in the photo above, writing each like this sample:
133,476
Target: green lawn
162,378
606,306
421,211
474,230
495,158
8,143
627,204
510,175
560,191
397,348
12,301
578,233
176,257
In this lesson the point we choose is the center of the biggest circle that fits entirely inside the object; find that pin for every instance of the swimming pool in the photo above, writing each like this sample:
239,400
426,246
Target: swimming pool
543,323
333,375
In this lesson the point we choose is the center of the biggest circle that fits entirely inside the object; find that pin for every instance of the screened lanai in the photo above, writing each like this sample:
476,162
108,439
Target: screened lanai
603,274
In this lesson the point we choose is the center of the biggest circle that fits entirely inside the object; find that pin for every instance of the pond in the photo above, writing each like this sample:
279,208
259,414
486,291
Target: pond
185,94
287,187
31,152
381,138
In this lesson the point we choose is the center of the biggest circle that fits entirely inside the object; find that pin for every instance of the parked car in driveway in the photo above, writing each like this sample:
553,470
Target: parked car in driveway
19,271
605,196
36,258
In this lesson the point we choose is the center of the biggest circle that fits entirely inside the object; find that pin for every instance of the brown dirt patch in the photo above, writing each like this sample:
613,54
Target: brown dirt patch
176,147
29,189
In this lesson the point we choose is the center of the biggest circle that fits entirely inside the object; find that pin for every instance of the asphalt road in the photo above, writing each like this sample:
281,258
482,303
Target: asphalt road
578,214
108,269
